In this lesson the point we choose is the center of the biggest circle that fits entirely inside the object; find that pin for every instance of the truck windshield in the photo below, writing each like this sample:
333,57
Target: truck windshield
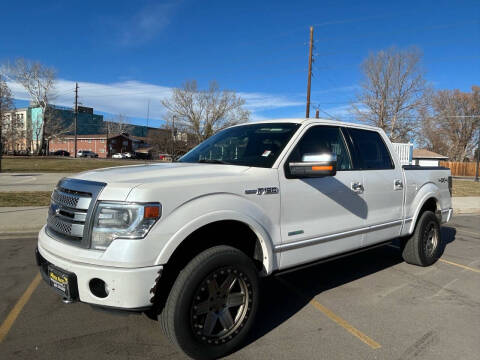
255,145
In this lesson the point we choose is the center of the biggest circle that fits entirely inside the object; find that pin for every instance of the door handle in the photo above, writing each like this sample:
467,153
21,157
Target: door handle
357,187
397,184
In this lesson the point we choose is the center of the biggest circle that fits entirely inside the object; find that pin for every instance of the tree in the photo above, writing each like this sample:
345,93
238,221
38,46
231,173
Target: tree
450,126
202,113
163,141
6,103
118,125
392,92
39,82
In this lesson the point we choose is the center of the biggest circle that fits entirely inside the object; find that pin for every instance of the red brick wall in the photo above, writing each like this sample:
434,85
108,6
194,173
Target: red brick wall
98,146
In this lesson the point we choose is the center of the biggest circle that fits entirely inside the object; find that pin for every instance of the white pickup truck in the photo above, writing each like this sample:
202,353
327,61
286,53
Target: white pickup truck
187,241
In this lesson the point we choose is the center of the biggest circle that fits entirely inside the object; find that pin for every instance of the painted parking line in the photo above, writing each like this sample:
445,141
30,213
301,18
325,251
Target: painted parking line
17,309
337,319
459,265
449,262
347,326
468,232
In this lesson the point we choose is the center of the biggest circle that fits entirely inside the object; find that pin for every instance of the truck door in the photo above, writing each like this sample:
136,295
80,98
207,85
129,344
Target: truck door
320,217
382,185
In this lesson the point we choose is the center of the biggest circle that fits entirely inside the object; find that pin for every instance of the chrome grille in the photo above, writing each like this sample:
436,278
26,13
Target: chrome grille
64,199
70,209
59,226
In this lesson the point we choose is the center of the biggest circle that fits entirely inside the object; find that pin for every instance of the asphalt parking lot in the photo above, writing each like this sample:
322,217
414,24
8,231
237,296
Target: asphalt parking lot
368,306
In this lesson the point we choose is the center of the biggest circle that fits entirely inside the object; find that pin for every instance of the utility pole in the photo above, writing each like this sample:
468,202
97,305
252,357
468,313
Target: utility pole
309,83
317,114
76,119
148,115
478,155
173,136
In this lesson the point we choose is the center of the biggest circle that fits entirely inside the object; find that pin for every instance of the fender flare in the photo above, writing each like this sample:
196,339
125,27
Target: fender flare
426,193
266,242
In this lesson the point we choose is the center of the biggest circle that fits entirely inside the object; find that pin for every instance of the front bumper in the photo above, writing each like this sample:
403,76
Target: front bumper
129,288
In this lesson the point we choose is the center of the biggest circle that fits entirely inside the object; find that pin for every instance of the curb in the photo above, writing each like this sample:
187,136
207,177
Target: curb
19,234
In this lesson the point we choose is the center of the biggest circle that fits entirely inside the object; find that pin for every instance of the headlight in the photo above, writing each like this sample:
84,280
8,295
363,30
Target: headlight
114,220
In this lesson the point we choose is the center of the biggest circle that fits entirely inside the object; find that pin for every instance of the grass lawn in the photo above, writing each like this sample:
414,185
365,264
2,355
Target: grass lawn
25,198
50,164
466,188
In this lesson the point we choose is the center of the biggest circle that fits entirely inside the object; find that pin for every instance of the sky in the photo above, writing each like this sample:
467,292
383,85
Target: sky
127,55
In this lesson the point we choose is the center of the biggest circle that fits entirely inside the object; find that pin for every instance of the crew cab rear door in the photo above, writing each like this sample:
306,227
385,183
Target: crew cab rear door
382,184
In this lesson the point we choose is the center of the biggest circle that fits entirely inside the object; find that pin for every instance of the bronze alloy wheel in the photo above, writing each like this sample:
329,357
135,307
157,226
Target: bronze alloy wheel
430,236
221,305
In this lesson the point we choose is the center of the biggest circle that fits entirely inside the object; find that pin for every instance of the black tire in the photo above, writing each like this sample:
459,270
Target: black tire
190,307
423,248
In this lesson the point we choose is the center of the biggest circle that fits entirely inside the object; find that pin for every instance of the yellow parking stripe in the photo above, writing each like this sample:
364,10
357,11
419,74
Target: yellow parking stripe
459,265
343,323
468,232
335,318
12,316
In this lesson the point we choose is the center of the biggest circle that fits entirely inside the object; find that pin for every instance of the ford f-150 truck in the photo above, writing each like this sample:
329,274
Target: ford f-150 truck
187,241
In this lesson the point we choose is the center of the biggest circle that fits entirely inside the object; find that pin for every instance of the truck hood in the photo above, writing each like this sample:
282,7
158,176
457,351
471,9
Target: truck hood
135,175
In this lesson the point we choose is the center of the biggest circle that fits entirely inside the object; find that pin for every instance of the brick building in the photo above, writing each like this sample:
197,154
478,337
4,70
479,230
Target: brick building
98,143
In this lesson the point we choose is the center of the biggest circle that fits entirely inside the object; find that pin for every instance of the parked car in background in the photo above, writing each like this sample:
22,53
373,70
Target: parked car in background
87,153
118,156
61,153
128,155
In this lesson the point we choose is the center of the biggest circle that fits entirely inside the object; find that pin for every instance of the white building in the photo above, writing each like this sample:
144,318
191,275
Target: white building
425,157
15,130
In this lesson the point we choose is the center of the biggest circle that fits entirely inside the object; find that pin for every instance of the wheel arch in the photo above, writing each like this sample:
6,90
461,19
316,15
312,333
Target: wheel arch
183,247
429,202
218,224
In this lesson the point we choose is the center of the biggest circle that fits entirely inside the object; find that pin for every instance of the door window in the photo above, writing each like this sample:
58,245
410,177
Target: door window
373,152
321,139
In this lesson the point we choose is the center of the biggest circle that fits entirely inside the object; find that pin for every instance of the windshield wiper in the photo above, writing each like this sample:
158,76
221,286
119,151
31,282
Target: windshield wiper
213,161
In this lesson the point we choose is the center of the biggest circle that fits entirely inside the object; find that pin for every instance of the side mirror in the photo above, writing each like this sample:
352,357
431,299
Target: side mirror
314,165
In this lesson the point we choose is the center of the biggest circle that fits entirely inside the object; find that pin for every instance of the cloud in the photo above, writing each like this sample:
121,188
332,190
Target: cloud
261,101
146,24
131,98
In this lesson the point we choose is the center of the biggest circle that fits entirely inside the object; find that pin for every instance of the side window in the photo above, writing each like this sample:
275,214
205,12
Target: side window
319,139
373,152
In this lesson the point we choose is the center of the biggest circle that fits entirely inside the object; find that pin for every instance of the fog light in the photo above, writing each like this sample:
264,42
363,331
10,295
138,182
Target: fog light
98,288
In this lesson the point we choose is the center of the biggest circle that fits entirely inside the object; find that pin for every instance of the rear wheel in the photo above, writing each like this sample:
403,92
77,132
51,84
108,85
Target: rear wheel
423,247
212,304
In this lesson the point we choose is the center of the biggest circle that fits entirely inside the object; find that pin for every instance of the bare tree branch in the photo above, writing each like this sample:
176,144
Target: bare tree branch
450,125
392,91
39,82
204,112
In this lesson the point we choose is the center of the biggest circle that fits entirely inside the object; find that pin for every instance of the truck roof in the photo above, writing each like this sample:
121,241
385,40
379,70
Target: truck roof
316,121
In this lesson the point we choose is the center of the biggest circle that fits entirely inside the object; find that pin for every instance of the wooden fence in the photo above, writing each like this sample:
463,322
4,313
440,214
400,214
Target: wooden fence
460,168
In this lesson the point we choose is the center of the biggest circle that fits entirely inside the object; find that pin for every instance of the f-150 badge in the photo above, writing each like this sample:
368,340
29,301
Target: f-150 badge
263,191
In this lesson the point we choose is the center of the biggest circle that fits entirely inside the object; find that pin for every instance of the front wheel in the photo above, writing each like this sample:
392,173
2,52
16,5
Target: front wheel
212,304
423,247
